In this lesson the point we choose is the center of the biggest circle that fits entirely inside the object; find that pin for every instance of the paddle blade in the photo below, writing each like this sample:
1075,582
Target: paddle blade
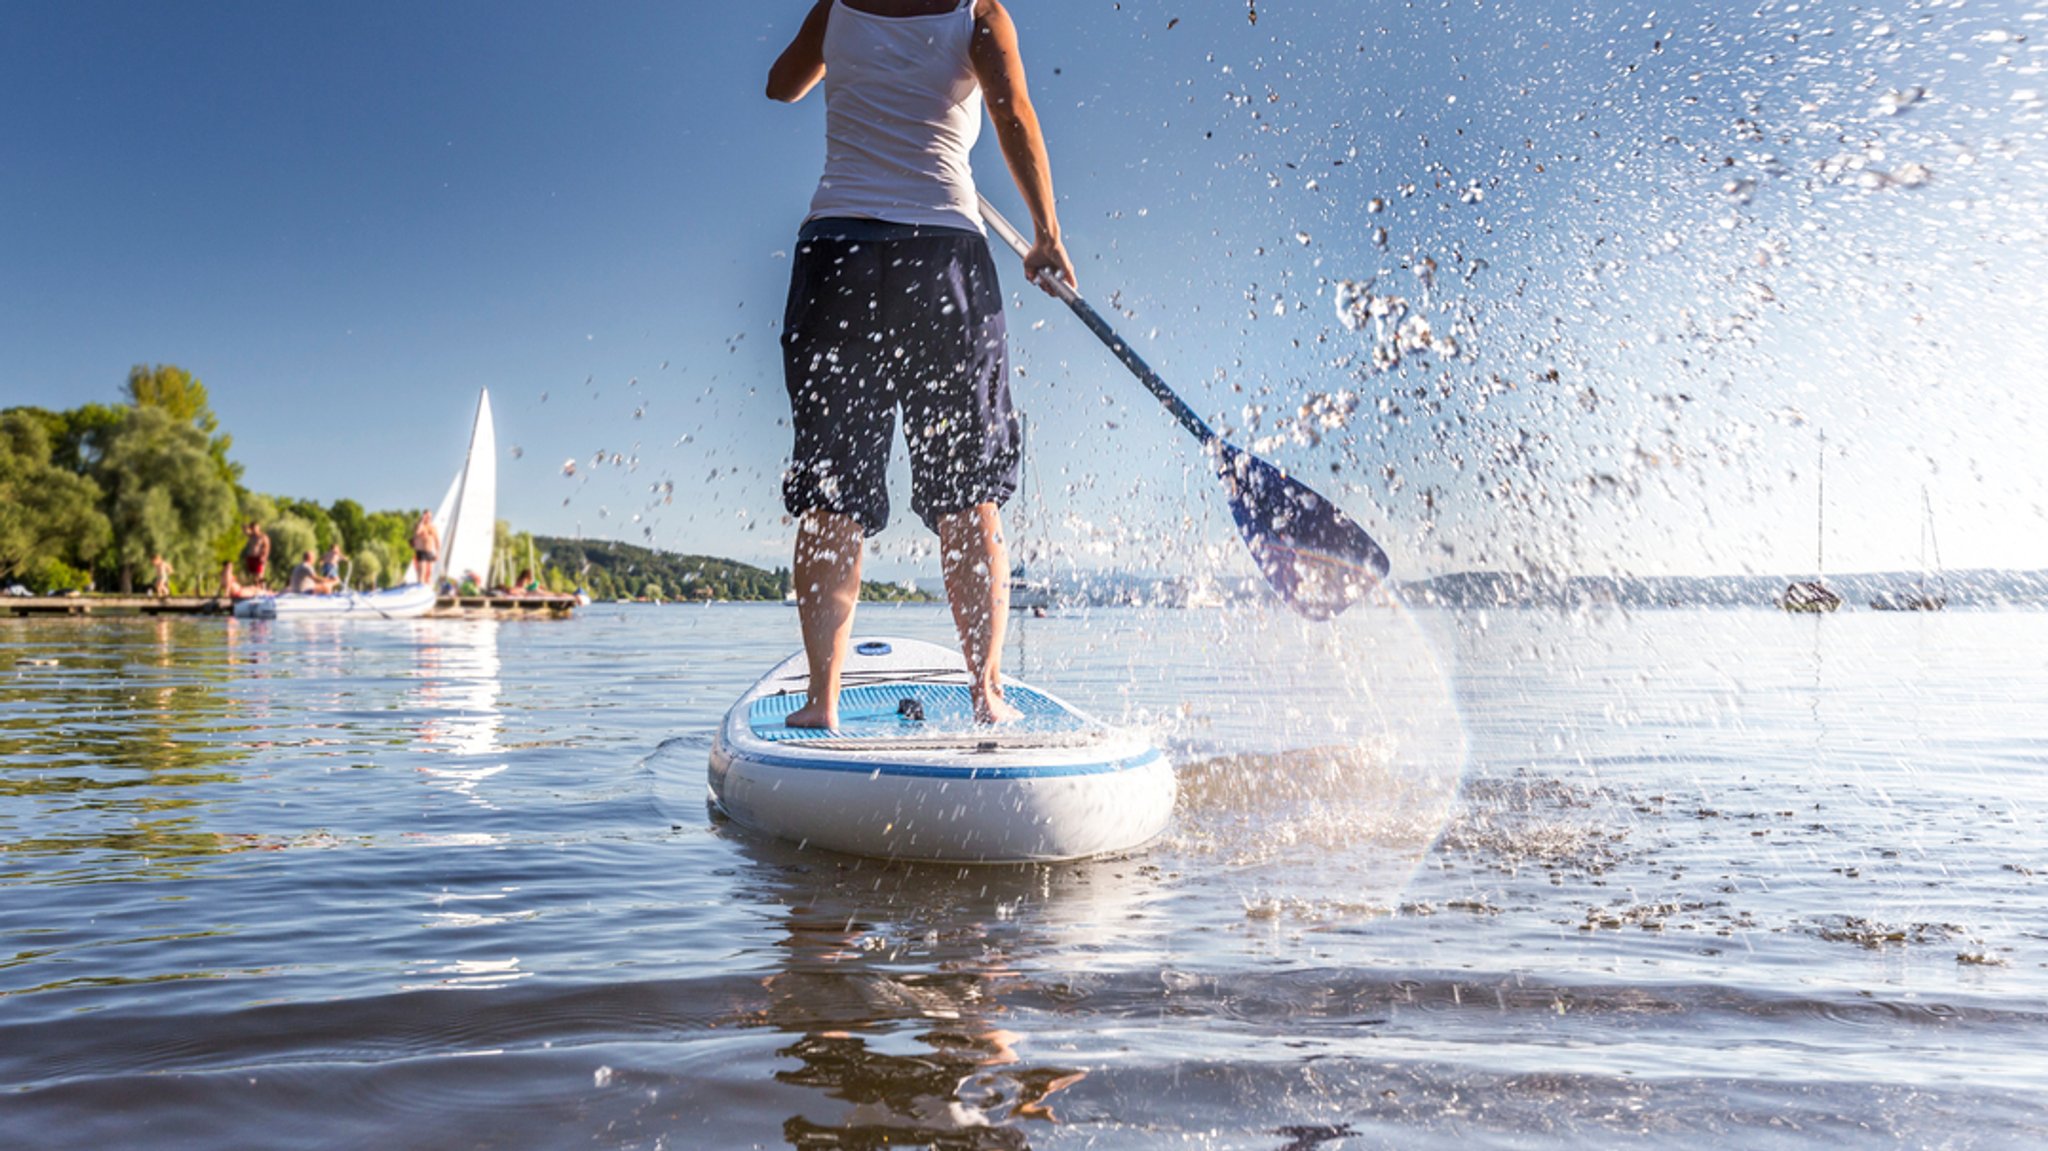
1315,556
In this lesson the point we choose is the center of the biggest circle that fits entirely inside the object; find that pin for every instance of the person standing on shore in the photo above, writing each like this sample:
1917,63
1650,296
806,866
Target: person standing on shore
256,554
893,303
426,547
162,587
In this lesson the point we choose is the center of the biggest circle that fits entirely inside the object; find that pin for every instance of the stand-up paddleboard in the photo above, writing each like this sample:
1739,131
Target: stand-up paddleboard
908,774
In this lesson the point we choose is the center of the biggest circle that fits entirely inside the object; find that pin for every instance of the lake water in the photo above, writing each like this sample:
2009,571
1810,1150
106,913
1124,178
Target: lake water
1520,880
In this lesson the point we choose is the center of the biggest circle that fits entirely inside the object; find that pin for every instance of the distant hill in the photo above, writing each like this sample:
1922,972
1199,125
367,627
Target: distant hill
613,570
1979,588
1498,589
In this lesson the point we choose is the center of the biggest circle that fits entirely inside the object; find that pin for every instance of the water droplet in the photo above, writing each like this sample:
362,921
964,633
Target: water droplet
1912,175
1895,102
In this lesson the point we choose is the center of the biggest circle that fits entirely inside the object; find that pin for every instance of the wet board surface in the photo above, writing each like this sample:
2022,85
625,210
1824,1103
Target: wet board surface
903,695
922,715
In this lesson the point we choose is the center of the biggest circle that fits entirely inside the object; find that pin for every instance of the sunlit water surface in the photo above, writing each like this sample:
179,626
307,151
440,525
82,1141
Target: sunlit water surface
1440,880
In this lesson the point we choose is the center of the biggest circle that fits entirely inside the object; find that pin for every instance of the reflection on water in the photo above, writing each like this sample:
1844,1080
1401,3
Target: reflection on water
455,697
893,979
109,749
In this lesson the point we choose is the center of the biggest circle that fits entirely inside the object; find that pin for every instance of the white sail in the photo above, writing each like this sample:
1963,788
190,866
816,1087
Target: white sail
468,519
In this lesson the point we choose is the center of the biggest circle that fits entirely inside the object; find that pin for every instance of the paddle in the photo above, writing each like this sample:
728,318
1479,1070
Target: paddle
1315,556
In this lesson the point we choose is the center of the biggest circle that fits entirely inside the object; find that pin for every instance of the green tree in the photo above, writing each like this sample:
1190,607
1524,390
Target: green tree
324,532
164,494
389,534
351,521
381,563
291,537
77,436
179,394
48,515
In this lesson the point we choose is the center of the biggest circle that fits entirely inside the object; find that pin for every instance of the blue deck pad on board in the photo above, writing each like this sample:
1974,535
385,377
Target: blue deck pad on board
874,711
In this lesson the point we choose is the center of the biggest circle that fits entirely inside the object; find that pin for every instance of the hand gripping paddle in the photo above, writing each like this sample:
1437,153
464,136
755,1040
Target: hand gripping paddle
1315,556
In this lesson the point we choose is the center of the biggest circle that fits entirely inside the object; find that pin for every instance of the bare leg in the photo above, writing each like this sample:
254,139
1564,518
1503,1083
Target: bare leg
827,577
977,564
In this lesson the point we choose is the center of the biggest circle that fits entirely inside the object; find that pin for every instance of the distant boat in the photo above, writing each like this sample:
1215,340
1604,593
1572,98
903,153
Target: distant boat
1813,595
1204,593
1808,596
1027,594
1920,599
468,524
468,515
406,601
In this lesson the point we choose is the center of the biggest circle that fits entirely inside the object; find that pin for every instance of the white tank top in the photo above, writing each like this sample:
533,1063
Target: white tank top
902,111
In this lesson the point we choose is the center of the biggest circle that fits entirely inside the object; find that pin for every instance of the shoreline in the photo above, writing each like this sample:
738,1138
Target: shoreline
543,605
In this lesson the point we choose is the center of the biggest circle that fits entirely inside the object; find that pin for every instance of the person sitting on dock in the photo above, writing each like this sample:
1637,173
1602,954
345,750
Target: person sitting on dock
256,553
308,581
470,585
426,547
163,575
232,590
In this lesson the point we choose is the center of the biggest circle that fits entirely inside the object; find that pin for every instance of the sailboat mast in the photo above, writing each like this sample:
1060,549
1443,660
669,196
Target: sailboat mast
1929,538
1024,484
1820,513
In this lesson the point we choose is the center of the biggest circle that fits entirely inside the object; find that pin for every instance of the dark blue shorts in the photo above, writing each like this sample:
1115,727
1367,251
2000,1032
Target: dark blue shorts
886,317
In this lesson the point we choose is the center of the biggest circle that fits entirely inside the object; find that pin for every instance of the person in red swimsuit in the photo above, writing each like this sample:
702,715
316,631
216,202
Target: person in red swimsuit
256,553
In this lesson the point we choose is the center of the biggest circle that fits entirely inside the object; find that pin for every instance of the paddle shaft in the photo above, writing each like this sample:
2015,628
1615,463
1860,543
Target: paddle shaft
1317,558
1195,425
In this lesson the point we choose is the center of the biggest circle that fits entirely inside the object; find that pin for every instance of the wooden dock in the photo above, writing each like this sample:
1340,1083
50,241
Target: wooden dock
503,607
447,607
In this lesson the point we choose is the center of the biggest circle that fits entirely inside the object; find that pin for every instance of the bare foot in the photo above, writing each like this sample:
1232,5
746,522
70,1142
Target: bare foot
991,707
816,713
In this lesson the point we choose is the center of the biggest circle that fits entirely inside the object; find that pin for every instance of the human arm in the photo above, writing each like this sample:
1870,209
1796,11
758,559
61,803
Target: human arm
802,64
1000,69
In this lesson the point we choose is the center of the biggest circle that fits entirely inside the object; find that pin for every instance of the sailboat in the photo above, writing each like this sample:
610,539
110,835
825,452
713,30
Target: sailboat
467,519
1814,595
1921,599
468,515
1026,593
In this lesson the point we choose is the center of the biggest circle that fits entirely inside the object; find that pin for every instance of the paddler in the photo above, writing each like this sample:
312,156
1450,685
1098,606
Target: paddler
893,304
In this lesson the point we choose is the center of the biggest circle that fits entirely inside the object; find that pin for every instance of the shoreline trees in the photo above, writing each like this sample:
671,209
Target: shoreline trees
90,494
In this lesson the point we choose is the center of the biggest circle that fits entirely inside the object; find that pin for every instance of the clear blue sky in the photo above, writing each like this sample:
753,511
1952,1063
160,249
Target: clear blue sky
1721,232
